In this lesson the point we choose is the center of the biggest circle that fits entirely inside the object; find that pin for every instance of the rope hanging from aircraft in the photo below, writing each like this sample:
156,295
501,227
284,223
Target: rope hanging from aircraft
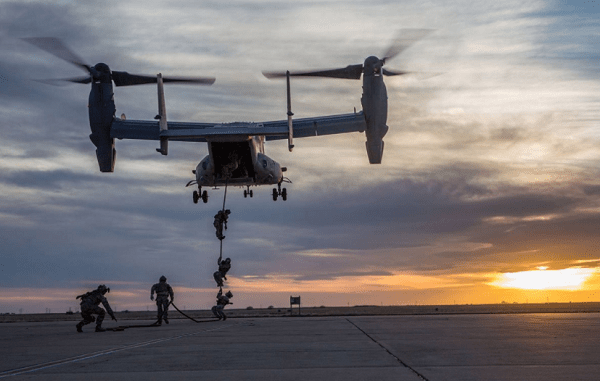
223,211
221,220
220,223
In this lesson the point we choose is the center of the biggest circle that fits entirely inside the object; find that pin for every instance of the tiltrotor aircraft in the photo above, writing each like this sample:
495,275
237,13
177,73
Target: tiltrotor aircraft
236,151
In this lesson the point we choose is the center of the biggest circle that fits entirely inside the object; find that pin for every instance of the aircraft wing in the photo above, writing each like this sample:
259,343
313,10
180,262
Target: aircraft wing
322,125
201,132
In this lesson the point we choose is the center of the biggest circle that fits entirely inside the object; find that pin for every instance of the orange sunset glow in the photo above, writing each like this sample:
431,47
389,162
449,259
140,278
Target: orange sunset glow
543,279
488,190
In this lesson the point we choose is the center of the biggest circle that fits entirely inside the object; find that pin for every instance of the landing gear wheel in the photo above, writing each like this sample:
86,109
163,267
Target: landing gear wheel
205,197
284,194
275,194
251,193
196,197
245,193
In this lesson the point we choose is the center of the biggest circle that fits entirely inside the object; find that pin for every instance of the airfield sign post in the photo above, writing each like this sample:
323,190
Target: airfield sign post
294,300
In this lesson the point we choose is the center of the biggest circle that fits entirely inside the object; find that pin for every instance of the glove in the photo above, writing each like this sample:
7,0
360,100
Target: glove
152,298
114,318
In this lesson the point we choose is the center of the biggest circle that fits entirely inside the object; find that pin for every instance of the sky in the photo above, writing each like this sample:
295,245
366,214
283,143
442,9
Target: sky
488,192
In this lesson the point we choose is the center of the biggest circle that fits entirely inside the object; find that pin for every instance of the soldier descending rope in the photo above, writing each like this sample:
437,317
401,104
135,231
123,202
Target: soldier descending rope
222,301
90,305
224,265
220,275
220,222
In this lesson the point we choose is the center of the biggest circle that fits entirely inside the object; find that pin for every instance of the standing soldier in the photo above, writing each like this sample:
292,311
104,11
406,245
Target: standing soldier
222,301
220,275
90,305
220,220
163,291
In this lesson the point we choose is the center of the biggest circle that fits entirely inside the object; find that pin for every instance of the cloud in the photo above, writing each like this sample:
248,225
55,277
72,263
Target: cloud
490,164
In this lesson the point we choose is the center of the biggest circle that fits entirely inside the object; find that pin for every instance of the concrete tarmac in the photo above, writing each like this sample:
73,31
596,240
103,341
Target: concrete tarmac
431,347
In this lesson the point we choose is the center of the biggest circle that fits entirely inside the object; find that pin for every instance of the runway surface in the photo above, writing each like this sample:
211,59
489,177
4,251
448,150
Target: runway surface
433,347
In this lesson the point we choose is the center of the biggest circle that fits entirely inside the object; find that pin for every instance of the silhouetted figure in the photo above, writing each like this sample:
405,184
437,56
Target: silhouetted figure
220,222
90,306
222,301
163,291
220,275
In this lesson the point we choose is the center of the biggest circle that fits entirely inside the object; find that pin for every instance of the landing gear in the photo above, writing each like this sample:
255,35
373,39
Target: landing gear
197,196
279,192
248,192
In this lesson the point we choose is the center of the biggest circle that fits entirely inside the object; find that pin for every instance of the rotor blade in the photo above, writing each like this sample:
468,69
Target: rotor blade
349,72
123,78
406,37
392,73
56,47
61,81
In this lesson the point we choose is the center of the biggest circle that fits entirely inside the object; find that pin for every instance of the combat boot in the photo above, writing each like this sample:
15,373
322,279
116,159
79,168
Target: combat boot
100,329
166,320
224,317
79,326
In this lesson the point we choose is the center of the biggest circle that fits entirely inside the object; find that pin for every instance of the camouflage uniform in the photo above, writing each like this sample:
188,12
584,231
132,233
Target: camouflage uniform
220,220
222,301
90,305
220,275
163,291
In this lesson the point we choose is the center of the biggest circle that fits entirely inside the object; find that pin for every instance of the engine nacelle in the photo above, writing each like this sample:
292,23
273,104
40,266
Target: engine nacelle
101,112
107,156
375,151
374,102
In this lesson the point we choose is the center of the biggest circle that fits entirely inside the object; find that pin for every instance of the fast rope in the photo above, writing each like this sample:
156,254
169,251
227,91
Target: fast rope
155,324
223,213
225,194
191,318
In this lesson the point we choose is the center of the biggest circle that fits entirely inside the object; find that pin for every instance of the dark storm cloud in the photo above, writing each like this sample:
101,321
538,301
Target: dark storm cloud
414,215
438,204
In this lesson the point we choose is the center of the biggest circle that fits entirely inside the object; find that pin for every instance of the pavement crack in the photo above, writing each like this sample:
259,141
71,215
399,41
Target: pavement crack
388,351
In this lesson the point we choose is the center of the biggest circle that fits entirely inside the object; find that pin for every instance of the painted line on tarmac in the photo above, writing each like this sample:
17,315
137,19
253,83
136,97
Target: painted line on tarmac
388,351
51,364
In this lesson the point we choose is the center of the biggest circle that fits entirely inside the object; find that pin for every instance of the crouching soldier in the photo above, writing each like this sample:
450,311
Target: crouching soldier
90,305
222,301
220,275
163,291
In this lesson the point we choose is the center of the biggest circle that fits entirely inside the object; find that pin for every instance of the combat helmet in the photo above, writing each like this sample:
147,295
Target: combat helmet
229,294
103,289
163,278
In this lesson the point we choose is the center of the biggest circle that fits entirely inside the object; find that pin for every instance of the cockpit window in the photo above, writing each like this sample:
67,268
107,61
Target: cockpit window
264,163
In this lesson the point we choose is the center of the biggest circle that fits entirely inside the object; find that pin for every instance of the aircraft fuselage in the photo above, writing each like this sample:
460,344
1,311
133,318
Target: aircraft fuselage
240,162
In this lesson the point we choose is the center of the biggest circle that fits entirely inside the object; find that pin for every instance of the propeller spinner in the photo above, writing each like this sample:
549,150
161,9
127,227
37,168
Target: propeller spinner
101,72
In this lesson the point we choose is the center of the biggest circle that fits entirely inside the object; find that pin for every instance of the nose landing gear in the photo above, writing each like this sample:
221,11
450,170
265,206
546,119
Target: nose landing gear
248,192
279,192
